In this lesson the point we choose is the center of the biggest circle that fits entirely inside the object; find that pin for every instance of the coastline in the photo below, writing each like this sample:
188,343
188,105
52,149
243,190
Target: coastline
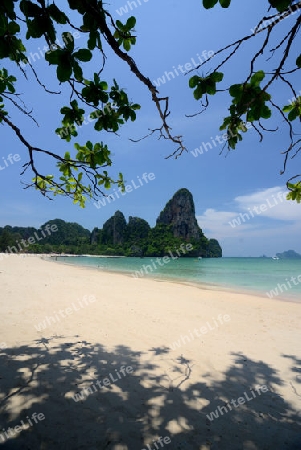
199,285
188,352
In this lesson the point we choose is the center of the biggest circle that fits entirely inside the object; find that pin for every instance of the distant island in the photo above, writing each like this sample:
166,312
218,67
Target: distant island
176,226
289,254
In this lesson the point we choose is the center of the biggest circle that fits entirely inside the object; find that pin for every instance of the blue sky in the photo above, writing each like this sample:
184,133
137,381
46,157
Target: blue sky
223,186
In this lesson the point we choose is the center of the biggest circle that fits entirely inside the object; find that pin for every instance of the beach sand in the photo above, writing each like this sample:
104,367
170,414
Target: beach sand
165,357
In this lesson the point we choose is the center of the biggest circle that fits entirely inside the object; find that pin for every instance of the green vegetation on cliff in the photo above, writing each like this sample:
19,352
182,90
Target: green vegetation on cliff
175,225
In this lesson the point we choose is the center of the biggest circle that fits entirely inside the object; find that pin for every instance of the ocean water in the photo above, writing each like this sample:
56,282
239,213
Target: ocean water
253,275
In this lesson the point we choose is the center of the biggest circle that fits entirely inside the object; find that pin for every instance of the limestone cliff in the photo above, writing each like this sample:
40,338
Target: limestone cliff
114,230
94,236
175,225
179,213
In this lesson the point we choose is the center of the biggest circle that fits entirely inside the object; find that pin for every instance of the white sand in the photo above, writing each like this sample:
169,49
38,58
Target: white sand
130,322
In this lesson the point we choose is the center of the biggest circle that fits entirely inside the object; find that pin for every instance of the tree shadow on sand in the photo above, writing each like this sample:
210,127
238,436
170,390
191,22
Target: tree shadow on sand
158,398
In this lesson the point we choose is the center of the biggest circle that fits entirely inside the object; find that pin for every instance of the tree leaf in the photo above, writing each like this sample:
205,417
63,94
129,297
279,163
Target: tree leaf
68,41
83,55
29,9
198,93
57,14
131,22
225,3
13,28
127,44
293,114
265,112
92,40
235,90
194,81
3,24
209,3
257,78
78,72
210,88
280,5
287,108
64,72
53,56
119,24
217,77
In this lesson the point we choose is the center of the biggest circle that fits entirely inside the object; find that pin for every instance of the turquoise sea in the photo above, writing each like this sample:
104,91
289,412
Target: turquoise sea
253,275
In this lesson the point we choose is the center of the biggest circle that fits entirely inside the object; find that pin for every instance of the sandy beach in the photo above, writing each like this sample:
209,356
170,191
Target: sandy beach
95,360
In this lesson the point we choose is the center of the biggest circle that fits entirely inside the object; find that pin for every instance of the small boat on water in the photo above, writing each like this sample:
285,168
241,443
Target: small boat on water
275,257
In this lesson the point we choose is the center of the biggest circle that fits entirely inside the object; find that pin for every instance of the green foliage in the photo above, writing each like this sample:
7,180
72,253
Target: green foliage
95,91
8,238
10,46
213,248
6,82
108,119
280,5
161,240
7,9
137,229
68,238
205,85
6,86
114,230
71,116
67,60
293,110
295,191
116,238
123,33
94,155
249,100
211,3
80,177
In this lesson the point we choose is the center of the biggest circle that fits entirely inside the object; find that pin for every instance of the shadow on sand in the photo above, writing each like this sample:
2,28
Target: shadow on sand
136,409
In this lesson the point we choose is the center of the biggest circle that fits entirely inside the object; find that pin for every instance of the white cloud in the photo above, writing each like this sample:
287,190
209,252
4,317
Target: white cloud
216,223
274,200
275,227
